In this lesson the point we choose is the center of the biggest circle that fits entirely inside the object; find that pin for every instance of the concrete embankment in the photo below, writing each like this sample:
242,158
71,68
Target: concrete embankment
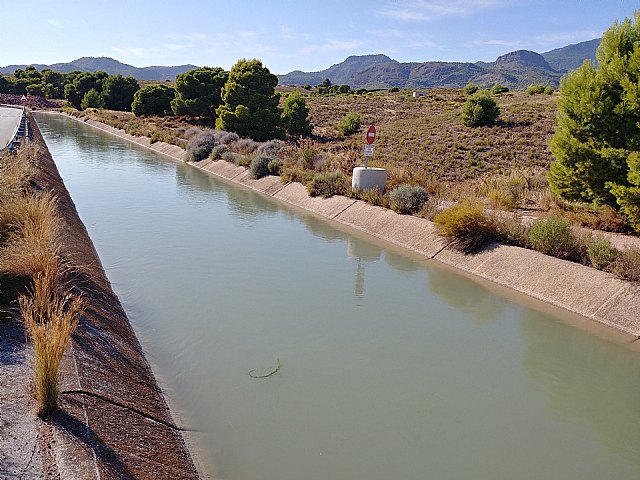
591,293
114,421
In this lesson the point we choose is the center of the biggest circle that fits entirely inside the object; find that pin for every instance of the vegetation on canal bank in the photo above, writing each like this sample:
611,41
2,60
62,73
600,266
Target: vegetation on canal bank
33,271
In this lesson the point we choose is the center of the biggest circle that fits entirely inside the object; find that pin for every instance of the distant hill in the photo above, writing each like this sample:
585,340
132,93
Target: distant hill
571,57
517,69
111,66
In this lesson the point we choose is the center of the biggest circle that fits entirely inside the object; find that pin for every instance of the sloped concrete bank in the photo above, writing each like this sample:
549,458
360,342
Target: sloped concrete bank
582,290
114,422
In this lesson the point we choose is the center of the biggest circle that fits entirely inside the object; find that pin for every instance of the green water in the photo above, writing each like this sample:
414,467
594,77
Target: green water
391,368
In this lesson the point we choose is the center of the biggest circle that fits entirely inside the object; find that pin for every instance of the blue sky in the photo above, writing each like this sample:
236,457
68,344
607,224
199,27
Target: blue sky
295,35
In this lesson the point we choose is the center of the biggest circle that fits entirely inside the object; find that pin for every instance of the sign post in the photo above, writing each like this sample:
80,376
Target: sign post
369,147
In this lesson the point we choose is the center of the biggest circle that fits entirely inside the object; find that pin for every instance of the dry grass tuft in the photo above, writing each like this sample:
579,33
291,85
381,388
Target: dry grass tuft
50,319
30,226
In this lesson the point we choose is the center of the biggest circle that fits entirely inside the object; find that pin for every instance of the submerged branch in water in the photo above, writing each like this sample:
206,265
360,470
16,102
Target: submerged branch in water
277,369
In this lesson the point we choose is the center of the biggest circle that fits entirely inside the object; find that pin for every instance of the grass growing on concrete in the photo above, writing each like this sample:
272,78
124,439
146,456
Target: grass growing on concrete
50,319
33,269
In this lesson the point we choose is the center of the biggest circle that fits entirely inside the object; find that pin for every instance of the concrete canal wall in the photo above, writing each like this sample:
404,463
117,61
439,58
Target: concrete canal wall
114,422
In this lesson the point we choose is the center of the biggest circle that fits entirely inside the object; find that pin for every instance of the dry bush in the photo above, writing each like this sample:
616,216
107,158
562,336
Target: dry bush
31,226
15,172
50,320
468,224
627,265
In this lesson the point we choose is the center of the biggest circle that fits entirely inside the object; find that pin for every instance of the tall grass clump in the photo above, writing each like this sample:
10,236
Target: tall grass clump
50,319
200,146
30,225
554,236
328,184
259,166
15,173
467,224
407,199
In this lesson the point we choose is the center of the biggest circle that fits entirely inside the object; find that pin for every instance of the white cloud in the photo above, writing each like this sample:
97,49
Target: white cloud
421,10
55,22
498,42
554,38
332,45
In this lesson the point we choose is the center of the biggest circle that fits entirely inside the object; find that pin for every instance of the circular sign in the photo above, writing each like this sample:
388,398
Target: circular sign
371,135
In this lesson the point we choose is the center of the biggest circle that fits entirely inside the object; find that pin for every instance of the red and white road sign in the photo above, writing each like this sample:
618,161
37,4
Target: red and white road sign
371,135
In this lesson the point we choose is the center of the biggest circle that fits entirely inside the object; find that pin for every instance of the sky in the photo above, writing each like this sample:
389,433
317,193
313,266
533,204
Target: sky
295,35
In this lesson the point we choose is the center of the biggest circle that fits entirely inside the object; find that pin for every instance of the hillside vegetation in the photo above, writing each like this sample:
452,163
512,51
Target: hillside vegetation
425,136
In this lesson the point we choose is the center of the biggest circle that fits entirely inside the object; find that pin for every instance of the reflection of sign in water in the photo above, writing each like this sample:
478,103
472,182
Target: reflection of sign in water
362,252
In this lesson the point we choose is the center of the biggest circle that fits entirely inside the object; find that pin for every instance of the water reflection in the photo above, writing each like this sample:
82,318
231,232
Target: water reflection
481,303
597,383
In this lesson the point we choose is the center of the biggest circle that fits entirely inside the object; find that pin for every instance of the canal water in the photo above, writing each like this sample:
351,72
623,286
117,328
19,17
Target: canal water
391,368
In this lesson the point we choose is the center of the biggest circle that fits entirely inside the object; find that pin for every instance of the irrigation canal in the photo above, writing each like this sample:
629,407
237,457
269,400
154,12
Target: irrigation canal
390,367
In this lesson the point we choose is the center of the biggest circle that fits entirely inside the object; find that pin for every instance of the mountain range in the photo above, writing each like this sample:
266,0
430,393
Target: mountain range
517,69
111,66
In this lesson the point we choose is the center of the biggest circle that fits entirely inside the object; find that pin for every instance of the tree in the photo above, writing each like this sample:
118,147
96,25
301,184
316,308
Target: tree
91,99
480,110
250,105
198,91
53,83
152,100
295,116
80,83
118,92
597,139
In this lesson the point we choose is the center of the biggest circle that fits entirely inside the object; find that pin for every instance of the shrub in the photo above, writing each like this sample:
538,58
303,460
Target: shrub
549,90
600,252
350,124
393,89
272,147
480,110
259,166
536,89
200,146
627,265
218,151
407,199
295,115
295,173
497,89
226,138
274,166
470,88
328,184
231,157
245,145
374,196
468,224
553,236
